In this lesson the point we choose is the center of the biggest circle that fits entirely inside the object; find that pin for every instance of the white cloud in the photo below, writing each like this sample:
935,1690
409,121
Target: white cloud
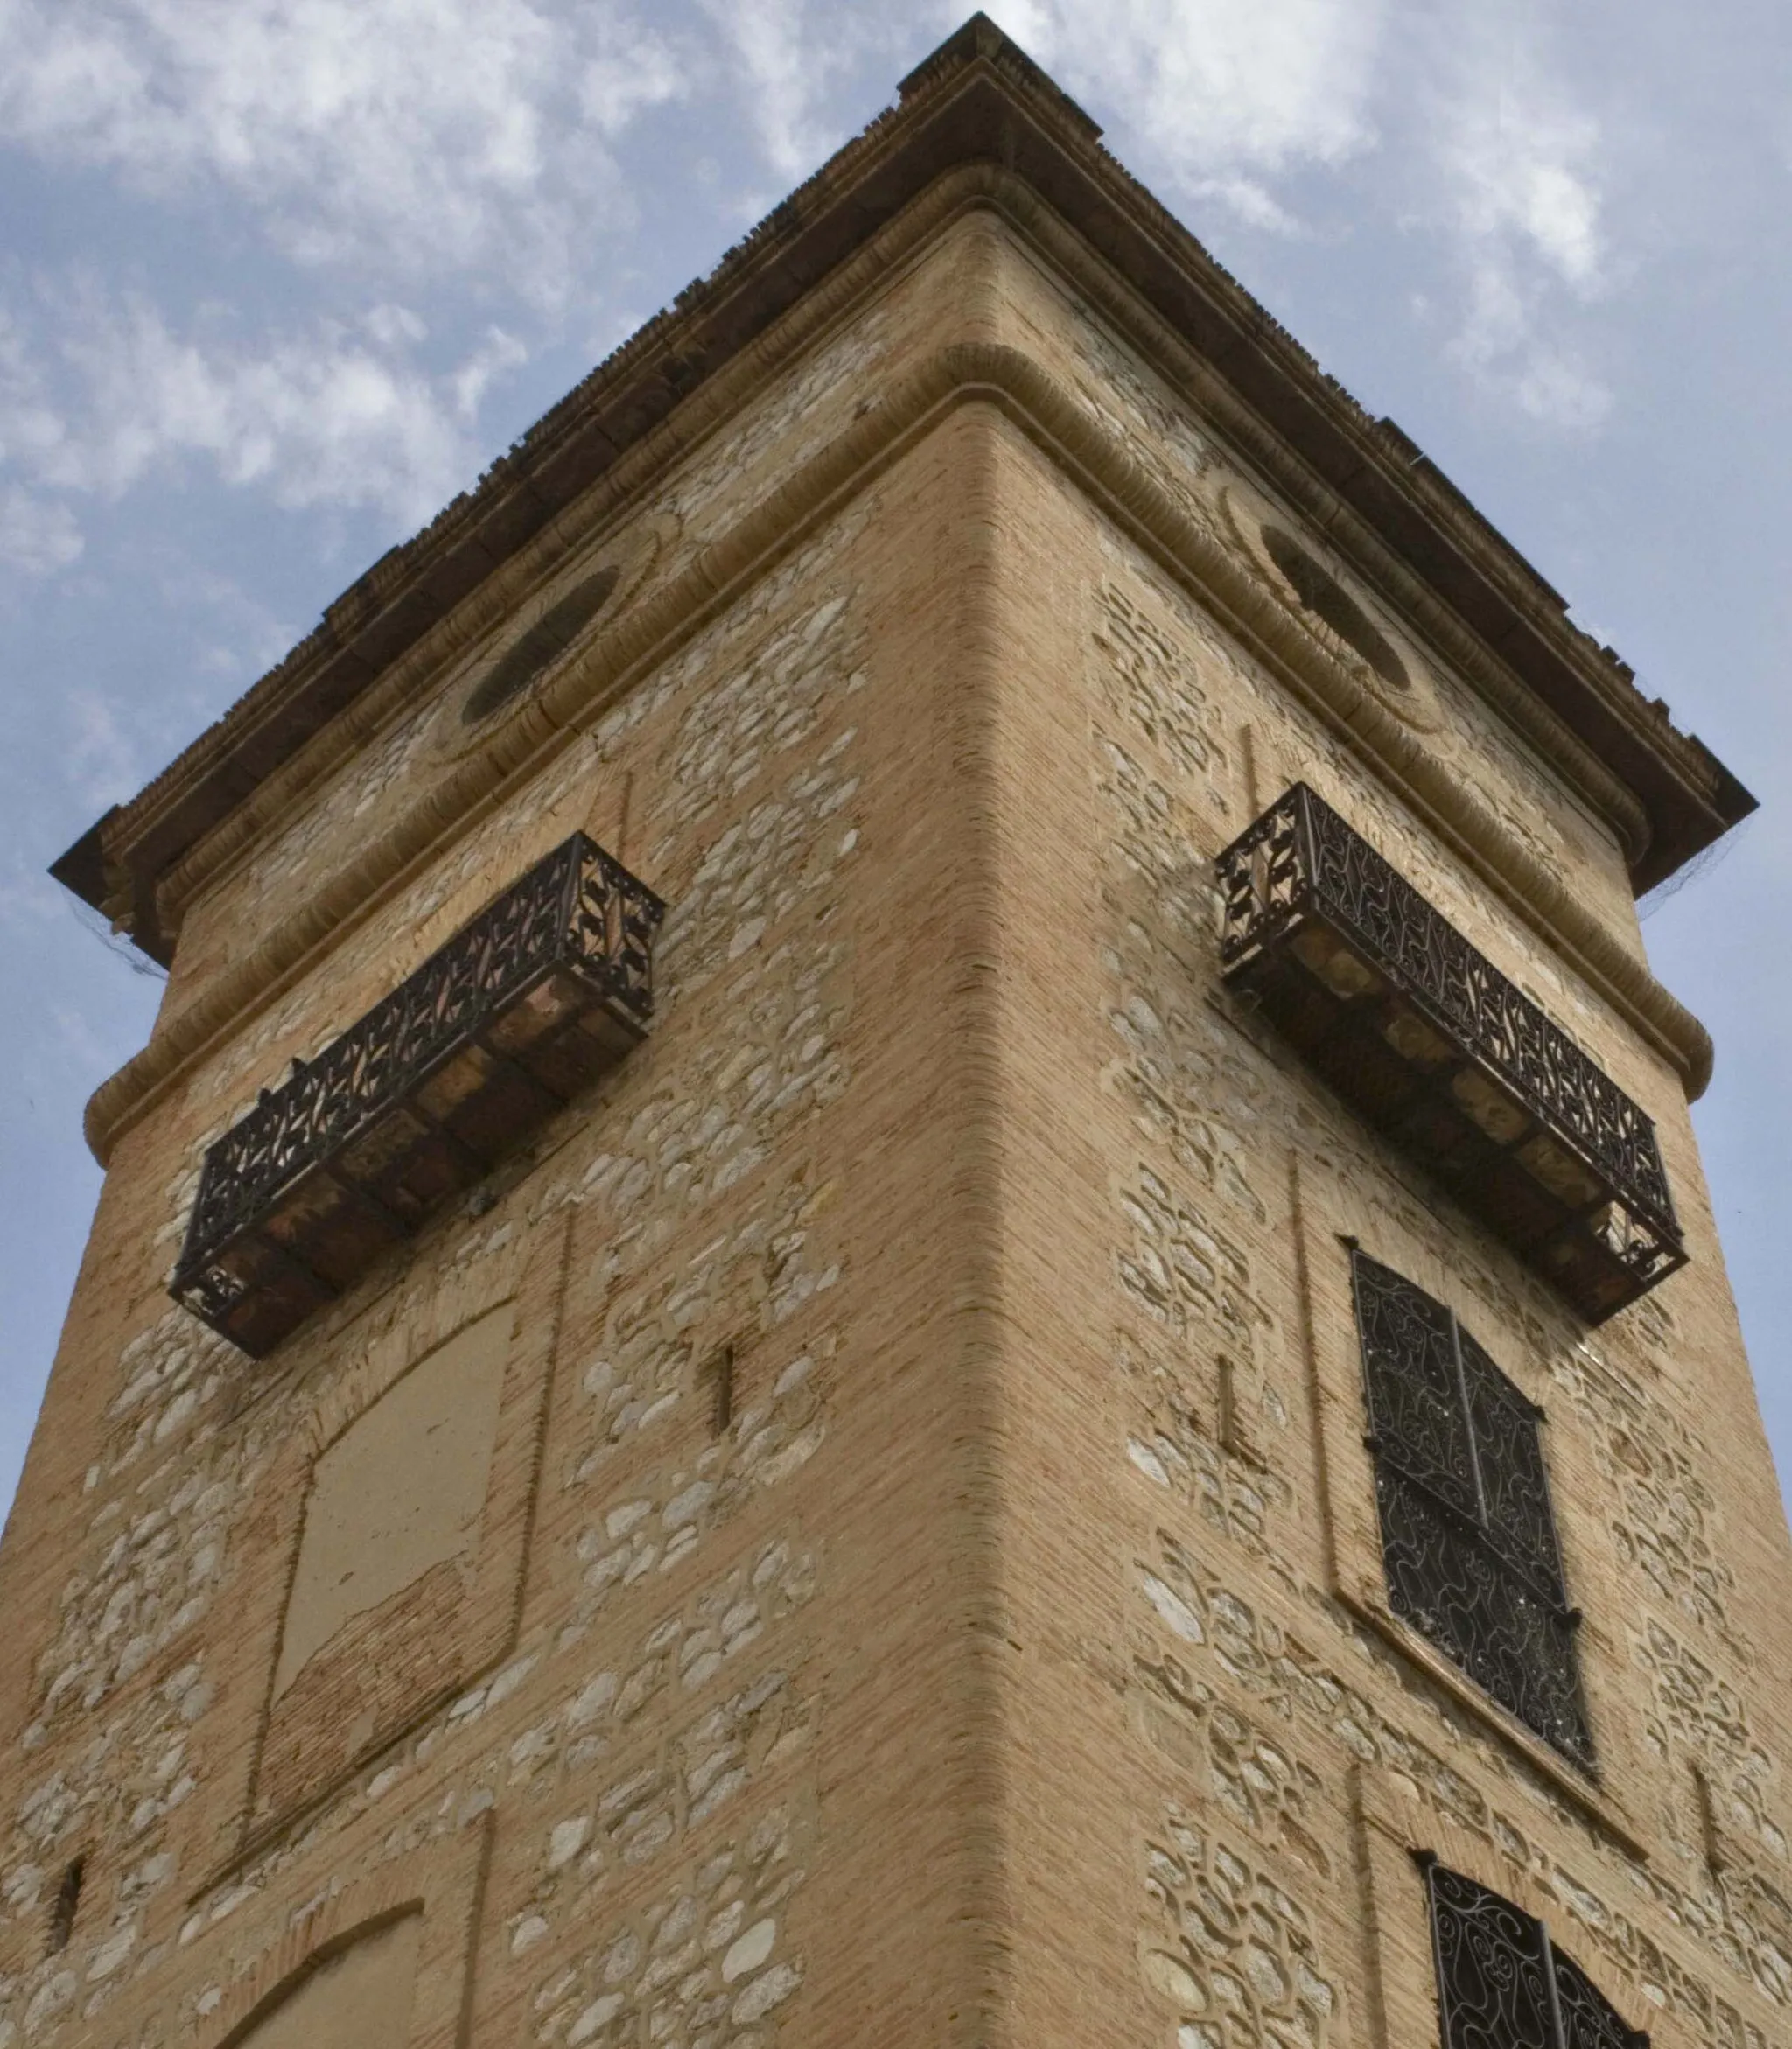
1525,164
471,139
1253,202
1518,193
324,418
38,535
1217,88
30,425
465,139
417,135
235,635
498,352
627,70
1231,96
781,61
781,72
336,415
1561,391
103,764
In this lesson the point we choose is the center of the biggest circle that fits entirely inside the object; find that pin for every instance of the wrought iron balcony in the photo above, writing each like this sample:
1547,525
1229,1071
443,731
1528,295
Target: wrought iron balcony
1423,1035
548,986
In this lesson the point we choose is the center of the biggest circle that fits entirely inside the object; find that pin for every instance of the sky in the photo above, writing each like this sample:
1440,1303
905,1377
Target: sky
279,278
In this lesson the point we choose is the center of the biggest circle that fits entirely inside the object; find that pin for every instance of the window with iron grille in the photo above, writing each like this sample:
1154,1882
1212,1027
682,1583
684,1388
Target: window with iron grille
1501,1982
1468,1538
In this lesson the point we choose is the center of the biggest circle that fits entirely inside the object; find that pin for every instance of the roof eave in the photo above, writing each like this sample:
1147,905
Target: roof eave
978,98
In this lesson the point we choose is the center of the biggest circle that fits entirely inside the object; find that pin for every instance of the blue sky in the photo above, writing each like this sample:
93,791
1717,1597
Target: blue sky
277,277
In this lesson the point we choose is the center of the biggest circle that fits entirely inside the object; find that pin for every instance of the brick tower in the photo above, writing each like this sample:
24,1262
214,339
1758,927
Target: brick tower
937,1271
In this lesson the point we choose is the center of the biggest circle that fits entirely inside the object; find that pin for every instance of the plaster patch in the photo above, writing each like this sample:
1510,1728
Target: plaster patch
401,1490
363,1994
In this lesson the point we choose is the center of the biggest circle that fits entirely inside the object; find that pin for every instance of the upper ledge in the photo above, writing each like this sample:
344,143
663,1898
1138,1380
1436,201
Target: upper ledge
978,99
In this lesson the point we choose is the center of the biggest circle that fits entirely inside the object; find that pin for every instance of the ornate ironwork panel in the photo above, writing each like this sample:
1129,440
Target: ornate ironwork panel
1501,1982
1493,1975
1420,1031
1515,1487
1414,1395
1468,1538
1589,2019
547,987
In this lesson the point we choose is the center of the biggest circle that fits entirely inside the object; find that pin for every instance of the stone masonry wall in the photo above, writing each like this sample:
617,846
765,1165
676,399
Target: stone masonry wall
911,1610
701,1203
1181,1442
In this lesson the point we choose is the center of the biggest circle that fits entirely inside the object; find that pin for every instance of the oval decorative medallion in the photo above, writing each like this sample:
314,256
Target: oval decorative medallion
1352,631
567,613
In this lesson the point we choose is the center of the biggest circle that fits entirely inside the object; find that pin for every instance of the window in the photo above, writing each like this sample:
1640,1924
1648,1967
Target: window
1503,1984
1468,1539
540,645
363,1992
407,1552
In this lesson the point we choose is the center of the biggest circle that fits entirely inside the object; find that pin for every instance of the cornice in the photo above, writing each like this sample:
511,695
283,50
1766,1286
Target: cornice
877,267
617,494
667,617
1252,439
978,100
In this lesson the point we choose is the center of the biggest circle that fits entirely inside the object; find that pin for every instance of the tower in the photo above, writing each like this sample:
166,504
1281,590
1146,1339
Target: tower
937,1272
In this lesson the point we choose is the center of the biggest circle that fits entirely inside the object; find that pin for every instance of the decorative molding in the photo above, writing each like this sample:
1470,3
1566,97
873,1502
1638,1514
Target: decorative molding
1244,515
976,103
579,690
875,269
634,554
1320,508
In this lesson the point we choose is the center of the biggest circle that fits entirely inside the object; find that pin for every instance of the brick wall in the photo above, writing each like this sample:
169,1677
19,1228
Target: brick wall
981,1670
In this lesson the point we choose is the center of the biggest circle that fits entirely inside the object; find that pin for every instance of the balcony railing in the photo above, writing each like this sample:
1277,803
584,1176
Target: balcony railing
548,986
1421,1033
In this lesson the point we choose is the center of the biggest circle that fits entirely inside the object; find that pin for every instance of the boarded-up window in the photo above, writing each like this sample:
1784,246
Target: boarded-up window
402,1490
358,1998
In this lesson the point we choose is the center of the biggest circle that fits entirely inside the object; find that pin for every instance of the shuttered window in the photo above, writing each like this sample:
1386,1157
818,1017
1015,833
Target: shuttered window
1468,1538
